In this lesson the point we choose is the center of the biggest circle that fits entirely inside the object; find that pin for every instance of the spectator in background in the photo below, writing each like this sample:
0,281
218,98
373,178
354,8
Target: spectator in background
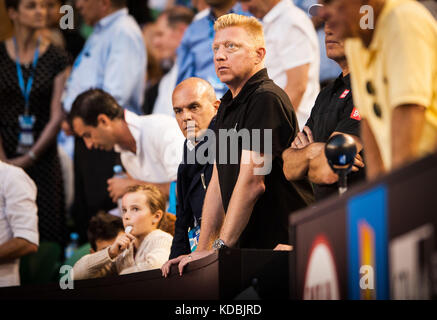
38,102
114,60
169,30
5,22
103,229
329,70
145,247
150,146
195,106
333,113
18,222
293,58
52,31
195,57
393,71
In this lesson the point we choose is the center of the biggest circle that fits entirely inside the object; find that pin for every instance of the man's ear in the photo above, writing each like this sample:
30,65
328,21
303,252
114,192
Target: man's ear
103,119
217,105
260,55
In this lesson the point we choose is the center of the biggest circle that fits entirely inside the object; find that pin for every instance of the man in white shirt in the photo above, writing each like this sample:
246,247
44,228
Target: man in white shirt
150,146
18,222
293,57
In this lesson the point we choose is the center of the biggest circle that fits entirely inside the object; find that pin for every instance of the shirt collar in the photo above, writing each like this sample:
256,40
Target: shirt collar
134,126
108,20
342,81
246,90
275,12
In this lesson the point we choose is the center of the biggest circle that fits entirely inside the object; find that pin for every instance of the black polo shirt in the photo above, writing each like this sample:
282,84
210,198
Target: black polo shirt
334,111
261,104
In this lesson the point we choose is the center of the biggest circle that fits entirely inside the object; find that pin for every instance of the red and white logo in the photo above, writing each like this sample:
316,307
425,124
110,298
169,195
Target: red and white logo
321,280
344,94
355,114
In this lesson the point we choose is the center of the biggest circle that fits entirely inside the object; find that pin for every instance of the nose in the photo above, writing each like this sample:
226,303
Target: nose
187,116
40,9
219,55
88,143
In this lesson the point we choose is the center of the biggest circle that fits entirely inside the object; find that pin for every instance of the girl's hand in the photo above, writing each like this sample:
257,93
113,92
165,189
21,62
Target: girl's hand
120,244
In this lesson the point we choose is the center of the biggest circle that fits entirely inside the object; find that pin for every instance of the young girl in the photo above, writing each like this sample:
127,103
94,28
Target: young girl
144,247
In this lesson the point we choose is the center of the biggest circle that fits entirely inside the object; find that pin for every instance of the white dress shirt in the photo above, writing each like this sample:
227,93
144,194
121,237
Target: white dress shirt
164,103
160,145
291,41
18,216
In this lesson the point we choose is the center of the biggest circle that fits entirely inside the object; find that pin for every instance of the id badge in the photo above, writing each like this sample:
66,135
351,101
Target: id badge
25,138
193,235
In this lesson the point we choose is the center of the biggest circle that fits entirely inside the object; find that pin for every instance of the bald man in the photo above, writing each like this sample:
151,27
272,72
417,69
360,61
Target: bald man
195,106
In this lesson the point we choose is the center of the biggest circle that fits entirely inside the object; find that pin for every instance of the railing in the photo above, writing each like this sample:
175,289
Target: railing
375,242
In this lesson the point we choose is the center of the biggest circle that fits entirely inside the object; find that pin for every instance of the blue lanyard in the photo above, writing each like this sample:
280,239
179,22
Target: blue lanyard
25,89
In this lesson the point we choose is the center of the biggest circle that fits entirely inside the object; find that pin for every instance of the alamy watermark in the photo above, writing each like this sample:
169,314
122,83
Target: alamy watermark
367,279
66,282
67,20
231,144
367,21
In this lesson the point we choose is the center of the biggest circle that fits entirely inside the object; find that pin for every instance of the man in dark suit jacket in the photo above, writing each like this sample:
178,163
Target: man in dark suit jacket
195,105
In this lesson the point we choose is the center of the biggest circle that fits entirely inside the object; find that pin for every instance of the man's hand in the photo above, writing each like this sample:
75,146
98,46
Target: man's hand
196,255
120,244
303,139
165,269
283,247
358,163
117,187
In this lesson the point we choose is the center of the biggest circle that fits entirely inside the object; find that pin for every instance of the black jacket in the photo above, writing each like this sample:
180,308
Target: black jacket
191,191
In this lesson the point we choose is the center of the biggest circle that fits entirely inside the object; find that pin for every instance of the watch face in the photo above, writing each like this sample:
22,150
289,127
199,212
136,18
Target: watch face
218,244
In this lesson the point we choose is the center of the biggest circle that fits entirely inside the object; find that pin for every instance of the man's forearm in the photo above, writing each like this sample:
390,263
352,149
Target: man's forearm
407,126
320,172
16,248
244,197
297,81
297,161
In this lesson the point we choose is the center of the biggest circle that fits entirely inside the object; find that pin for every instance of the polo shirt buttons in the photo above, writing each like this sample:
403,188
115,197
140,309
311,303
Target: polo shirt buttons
377,110
370,88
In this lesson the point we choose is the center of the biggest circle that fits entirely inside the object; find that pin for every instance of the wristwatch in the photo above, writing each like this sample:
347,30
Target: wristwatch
219,244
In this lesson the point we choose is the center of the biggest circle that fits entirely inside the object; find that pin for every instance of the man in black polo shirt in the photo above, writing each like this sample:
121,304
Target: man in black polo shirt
333,113
248,200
